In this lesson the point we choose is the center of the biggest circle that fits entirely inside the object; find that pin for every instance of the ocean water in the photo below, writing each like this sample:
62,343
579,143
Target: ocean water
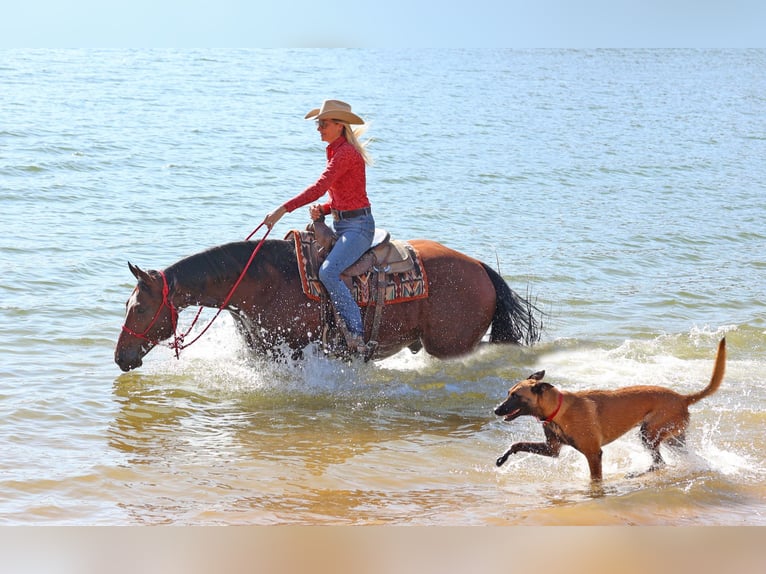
624,191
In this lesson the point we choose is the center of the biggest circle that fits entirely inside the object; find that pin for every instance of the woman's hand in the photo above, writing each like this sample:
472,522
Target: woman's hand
315,212
271,219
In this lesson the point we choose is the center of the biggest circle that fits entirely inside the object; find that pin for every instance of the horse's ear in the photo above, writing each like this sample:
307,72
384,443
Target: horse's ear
137,272
538,376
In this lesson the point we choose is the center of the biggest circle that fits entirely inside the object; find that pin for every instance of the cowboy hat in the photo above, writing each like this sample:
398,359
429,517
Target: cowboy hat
334,110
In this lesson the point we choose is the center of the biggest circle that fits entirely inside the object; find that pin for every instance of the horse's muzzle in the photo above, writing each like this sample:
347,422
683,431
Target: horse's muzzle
127,360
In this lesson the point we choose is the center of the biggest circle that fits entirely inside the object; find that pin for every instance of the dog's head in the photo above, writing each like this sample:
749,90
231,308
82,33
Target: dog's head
530,397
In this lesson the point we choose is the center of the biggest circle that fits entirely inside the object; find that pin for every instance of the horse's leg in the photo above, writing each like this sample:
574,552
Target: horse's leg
415,347
243,330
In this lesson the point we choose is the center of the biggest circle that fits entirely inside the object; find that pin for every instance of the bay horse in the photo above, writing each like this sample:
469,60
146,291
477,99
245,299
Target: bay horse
465,298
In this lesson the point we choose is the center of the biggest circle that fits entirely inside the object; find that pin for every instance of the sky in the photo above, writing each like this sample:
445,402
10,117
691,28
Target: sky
383,23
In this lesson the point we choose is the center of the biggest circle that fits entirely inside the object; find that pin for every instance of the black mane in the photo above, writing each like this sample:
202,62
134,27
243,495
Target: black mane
223,262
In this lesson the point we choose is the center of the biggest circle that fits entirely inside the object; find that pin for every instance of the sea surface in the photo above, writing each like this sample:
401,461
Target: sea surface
623,191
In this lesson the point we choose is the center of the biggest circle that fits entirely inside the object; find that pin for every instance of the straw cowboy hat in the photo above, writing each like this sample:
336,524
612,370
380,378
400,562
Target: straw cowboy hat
334,110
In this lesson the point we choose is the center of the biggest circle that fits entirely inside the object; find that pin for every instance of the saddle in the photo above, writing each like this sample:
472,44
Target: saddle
390,271
384,254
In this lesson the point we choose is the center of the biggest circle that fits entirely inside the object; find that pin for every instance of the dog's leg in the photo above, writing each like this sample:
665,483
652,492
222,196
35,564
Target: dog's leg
651,439
501,459
594,464
542,448
550,448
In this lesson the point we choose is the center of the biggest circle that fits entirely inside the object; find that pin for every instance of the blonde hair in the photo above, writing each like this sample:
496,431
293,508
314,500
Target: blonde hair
352,136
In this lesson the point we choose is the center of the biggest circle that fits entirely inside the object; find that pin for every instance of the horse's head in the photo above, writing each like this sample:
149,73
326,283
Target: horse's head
150,317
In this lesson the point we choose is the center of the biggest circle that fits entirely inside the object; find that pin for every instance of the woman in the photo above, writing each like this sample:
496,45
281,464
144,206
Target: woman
345,180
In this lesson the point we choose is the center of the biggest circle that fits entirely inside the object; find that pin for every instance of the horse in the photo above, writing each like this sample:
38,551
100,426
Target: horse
265,297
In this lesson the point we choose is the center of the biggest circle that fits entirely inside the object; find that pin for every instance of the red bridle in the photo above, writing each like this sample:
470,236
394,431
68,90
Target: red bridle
165,303
178,340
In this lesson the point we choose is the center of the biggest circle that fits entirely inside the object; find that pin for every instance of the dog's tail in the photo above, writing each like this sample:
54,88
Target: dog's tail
715,380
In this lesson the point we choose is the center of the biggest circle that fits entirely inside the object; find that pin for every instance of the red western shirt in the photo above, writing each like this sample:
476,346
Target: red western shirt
344,177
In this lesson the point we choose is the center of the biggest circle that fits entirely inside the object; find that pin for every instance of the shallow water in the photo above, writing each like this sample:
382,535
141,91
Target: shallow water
622,190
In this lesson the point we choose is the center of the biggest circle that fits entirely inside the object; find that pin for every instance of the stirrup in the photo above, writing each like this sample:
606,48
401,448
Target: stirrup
357,346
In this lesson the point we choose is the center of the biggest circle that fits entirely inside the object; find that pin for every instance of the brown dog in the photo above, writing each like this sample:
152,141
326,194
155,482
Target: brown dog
588,420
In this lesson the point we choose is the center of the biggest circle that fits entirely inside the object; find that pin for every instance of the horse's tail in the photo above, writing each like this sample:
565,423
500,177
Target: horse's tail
515,319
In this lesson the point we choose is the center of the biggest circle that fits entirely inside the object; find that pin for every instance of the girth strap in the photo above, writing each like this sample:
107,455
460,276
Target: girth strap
380,303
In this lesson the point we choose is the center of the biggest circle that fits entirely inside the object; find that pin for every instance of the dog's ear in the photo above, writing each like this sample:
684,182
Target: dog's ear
538,376
540,388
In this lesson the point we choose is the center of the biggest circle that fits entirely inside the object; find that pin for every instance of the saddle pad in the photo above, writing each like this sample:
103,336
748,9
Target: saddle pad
400,287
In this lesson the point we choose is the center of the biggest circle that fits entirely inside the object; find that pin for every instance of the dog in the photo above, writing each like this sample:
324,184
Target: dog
588,420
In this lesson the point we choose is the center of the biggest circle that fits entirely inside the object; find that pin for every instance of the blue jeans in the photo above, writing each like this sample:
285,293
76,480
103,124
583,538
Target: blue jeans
354,238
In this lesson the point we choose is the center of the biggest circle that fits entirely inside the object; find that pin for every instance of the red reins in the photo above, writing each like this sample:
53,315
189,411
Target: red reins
178,340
